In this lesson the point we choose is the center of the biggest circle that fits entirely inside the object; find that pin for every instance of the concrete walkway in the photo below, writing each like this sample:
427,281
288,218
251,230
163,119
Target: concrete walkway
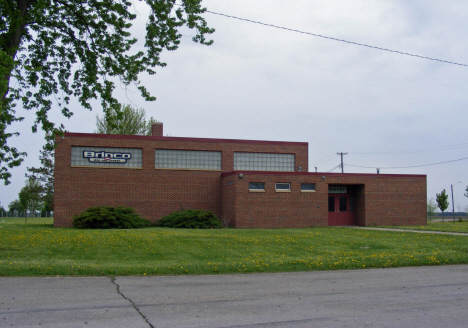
417,231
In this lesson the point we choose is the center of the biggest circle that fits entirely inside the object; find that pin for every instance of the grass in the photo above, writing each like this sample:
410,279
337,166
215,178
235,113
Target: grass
447,226
30,221
40,249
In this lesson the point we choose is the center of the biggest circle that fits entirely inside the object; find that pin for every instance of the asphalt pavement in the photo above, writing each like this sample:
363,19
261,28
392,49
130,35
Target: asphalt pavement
399,297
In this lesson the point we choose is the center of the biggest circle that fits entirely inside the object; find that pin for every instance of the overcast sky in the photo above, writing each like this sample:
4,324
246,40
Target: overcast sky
263,83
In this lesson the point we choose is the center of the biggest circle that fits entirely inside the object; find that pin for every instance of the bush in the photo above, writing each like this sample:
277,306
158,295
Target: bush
103,217
190,219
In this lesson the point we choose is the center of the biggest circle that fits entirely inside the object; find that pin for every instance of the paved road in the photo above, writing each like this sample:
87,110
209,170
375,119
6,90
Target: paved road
401,297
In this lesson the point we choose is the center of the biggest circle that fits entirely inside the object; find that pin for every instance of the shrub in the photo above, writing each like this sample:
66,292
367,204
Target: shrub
103,217
190,219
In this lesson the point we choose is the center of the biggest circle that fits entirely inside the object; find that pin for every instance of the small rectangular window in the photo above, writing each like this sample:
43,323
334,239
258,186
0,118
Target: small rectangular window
331,204
343,204
307,186
257,186
281,186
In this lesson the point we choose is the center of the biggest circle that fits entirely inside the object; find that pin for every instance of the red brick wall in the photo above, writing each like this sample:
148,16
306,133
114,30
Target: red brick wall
157,130
271,209
153,193
379,200
359,204
389,199
228,202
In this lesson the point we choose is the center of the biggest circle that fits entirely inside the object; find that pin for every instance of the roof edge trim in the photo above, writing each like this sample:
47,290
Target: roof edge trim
134,137
375,175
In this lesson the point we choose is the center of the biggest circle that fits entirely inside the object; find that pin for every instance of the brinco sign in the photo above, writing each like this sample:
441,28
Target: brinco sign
106,157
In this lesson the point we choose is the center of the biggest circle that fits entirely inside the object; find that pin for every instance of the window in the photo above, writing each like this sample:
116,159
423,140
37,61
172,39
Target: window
187,159
257,186
264,162
343,204
308,187
281,186
331,204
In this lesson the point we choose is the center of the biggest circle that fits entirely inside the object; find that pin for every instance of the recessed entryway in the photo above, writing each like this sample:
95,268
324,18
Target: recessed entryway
340,206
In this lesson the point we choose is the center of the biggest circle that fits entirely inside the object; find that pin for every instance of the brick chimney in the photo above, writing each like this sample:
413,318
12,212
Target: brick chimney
157,129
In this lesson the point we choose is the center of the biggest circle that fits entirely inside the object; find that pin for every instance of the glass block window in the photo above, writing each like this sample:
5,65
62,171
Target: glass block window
307,186
282,186
106,157
187,159
256,185
264,162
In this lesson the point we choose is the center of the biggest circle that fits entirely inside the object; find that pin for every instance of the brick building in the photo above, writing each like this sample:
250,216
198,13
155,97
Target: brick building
247,183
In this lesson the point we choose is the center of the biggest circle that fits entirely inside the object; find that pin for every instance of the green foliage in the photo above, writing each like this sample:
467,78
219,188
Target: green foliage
442,200
53,51
190,219
103,217
431,207
14,206
45,175
24,198
129,121
30,196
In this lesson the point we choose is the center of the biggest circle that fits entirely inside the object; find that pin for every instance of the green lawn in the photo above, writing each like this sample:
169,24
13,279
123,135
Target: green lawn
33,221
448,226
40,249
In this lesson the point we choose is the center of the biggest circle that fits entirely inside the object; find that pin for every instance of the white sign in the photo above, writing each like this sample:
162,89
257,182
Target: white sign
106,157
337,190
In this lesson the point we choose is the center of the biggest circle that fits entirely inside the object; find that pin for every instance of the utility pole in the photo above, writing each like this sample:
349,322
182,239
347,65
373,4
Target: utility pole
453,205
342,171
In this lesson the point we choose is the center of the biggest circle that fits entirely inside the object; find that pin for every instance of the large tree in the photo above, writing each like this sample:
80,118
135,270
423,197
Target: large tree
53,50
45,175
30,196
132,121
14,206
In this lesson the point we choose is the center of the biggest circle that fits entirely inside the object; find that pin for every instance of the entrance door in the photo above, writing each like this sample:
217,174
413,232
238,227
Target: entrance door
340,211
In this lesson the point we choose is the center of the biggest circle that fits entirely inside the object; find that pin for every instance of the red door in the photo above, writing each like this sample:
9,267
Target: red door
339,210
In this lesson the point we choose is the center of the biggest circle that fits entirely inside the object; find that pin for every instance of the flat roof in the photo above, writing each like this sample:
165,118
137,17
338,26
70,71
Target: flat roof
157,138
326,174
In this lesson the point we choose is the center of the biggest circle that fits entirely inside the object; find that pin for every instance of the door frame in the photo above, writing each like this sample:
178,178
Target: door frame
337,217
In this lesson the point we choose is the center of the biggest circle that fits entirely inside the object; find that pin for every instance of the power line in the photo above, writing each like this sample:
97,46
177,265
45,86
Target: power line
324,159
330,170
407,167
340,40
423,150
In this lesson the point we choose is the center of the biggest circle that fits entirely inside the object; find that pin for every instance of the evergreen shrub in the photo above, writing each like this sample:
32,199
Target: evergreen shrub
190,219
104,217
